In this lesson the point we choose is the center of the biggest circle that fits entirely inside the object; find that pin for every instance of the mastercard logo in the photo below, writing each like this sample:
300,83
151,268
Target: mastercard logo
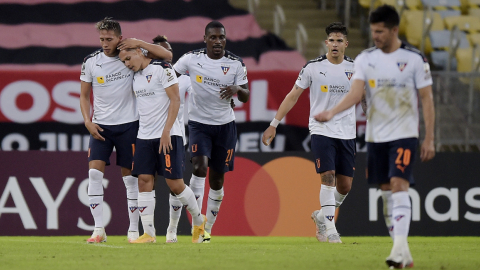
274,199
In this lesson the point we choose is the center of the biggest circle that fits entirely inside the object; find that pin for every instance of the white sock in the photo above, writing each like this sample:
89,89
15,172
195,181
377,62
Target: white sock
197,184
339,198
327,200
188,199
401,213
175,212
215,198
320,216
387,210
95,196
146,206
131,183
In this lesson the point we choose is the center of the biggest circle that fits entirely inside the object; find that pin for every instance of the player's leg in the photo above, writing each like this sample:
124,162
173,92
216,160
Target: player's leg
145,160
175,213
324,150
98,157
221,161
345,168
124,141
172,167
200,149
402,153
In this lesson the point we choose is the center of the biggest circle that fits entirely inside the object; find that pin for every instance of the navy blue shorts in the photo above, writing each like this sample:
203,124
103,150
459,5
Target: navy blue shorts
148,160
217,142
389,159
333,154
122,137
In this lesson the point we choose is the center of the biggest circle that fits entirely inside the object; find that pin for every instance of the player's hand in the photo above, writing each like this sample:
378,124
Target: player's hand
324,116
269,135
129,43
165,143
229,91
427,150
95,130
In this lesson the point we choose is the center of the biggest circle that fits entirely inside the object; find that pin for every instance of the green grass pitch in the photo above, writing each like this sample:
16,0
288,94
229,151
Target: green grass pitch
72,252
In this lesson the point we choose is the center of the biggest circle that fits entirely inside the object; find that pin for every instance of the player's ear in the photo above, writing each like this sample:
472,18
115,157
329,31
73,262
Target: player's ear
204,39
120,37
326,41
346,43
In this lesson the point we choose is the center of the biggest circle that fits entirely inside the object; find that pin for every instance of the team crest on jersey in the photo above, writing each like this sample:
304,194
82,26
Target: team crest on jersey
225,69
132,208
349,74
176,207
401,65
149,77
94,205
141,209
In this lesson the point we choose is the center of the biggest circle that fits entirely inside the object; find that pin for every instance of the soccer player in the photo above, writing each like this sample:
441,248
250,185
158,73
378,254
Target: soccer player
394,74
159,144
114,122
333,142
216,75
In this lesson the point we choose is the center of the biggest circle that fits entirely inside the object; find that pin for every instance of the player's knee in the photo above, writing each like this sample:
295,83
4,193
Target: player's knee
200,169
344,184
95,178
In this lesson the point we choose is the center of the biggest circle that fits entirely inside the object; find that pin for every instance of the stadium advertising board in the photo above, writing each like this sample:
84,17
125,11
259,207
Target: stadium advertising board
44,193
41,111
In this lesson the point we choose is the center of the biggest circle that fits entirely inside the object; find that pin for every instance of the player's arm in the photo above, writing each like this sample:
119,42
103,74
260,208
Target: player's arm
353,97
241,90
85,89
427,151
155,51
174,96
287,104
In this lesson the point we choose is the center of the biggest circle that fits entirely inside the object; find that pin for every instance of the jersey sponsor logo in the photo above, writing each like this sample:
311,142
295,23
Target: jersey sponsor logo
176,207
149,77
349,74
199,79
200,65
372,83
117,76
337,89
210,81
324,73
225,69
99,65
101,80
141,209
324,88
94,205
401,65
132,208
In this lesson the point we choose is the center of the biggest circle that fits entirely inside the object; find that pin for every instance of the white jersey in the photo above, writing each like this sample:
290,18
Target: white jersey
184,86
152,100
392,81
329,83
113,98
207,76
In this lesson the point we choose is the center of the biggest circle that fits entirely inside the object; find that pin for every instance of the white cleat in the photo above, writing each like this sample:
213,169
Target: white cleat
171,236
132,236
98,236
334,238
400,259
321,228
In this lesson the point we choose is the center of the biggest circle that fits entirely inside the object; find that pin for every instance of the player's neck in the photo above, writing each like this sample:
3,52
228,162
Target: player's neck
395,45
145,63
335,60
215,57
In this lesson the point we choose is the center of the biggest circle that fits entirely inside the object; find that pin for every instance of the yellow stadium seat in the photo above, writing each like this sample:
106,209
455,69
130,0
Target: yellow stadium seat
414,28
474,3
474,12
474,38
464,60
464,23
410,4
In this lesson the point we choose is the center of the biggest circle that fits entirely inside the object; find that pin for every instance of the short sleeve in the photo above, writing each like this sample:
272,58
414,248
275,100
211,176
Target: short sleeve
167,77
304,79
182,64
241,75
423,75
359,73
86,72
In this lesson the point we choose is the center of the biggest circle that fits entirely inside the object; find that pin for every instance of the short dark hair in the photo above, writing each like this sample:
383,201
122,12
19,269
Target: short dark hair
160,38
386,14
108,24
214,24
336,27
